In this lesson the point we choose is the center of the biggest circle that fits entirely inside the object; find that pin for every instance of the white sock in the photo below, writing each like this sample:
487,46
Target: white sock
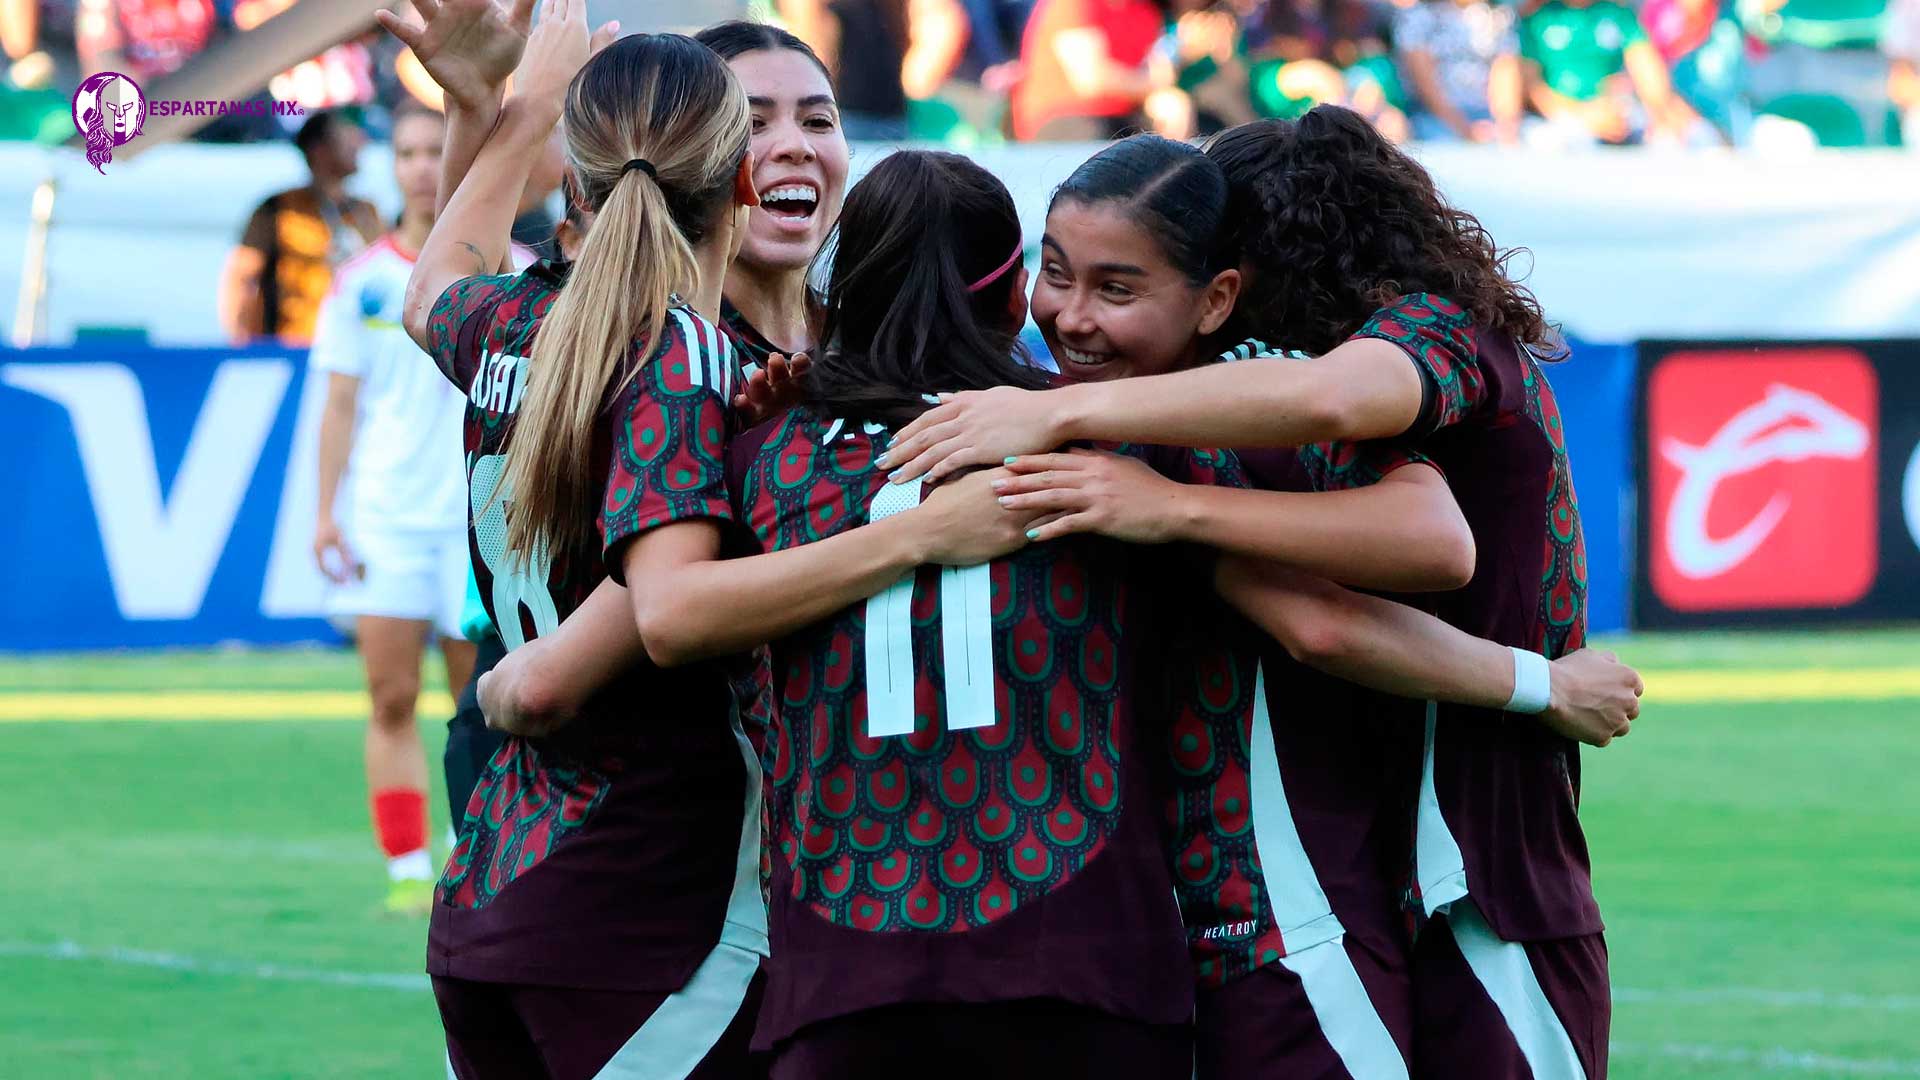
413,866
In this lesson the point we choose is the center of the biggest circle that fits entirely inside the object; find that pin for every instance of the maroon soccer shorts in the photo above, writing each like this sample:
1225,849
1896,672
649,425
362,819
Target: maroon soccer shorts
1504,1010
1010,1040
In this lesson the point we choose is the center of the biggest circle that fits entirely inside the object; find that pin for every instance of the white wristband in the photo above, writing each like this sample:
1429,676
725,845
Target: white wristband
1532,683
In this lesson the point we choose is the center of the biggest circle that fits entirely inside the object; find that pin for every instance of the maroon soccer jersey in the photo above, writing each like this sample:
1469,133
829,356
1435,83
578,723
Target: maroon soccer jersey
1499,797
963,786
752,346
1293,789
609,855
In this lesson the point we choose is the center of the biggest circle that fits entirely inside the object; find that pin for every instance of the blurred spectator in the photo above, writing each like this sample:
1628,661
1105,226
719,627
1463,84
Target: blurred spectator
1325,52
1821,65
1092,73
1901,43
1596,78
1463,59
1208,51
143,38
31,104
963,59
864,44
275,279
1705,49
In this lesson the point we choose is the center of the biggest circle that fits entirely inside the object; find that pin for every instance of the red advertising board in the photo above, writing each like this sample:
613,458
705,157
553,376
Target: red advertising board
1767,488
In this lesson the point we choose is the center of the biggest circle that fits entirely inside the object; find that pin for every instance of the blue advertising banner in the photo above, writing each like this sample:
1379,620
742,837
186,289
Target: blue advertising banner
163,497
1595,388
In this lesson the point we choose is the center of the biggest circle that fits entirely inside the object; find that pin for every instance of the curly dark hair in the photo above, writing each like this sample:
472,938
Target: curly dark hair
1337,223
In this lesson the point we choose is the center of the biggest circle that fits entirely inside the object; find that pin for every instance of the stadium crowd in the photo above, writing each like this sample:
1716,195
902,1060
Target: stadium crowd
1539,72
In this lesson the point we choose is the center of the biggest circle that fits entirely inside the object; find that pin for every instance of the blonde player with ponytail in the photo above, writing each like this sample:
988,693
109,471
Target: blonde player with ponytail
601,913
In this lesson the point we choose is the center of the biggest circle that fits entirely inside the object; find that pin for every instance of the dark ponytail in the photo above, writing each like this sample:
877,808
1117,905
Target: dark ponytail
1337,223
1171,190
903,318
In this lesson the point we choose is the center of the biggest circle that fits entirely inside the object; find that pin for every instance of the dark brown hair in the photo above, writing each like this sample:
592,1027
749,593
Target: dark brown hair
1335,222
909,311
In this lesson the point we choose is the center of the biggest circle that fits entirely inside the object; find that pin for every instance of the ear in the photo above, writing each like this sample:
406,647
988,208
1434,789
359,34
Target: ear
743,193
1017,300
1217,300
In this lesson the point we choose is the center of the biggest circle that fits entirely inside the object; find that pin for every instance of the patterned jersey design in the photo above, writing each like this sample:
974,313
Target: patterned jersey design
1231,927
668,429
1439,335
748,341
943,830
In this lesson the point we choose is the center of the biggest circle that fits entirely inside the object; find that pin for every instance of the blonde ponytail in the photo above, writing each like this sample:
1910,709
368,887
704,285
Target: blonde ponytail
677,108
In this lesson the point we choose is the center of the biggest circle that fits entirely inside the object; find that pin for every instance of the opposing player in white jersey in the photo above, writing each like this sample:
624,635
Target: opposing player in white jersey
396,546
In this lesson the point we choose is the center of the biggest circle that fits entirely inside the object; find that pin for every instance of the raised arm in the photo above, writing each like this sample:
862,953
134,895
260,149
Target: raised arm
1395,649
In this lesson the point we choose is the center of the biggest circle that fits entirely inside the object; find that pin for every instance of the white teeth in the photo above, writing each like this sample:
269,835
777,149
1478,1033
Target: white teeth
792,192
1086,358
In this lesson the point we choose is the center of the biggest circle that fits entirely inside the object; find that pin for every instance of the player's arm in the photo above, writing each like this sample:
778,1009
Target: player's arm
472,236
1403,532
241,309
1395,649
541,686
337,422
691,605
1363,389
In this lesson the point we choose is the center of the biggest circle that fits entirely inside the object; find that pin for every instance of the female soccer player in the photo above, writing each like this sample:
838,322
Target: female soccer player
403,575
965,844
1352,253
602,908
800,160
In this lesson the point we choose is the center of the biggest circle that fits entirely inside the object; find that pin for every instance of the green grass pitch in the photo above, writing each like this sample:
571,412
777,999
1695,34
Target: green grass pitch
200,899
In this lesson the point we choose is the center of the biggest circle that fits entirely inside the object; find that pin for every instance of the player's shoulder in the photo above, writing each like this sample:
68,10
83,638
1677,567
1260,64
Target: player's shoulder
692,356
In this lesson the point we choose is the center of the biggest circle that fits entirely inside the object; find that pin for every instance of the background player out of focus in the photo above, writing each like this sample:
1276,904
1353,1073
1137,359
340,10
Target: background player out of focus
1718,209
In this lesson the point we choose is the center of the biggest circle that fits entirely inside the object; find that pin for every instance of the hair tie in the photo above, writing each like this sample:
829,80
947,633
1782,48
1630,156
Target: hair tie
1013,260
643,165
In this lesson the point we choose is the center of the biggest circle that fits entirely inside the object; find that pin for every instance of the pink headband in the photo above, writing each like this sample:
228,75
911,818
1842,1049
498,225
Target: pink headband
1013,260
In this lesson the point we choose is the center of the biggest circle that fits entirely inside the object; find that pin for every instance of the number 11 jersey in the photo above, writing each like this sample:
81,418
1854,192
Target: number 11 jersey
964,793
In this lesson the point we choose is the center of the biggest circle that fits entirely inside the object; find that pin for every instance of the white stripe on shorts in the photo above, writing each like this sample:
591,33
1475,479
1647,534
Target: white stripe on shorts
1346,1013
1438,865
683,1030
1506,974
1300,906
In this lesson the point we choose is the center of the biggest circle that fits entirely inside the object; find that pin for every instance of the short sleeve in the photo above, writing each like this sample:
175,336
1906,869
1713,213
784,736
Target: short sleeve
670,432
337,334
457,326
258,234
1207,468
1344,466
1438,336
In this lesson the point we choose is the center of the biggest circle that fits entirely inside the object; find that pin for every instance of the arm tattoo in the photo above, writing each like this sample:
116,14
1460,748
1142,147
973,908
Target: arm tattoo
482,265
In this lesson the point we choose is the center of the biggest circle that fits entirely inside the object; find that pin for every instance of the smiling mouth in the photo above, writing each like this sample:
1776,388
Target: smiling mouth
791,202
1079,358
